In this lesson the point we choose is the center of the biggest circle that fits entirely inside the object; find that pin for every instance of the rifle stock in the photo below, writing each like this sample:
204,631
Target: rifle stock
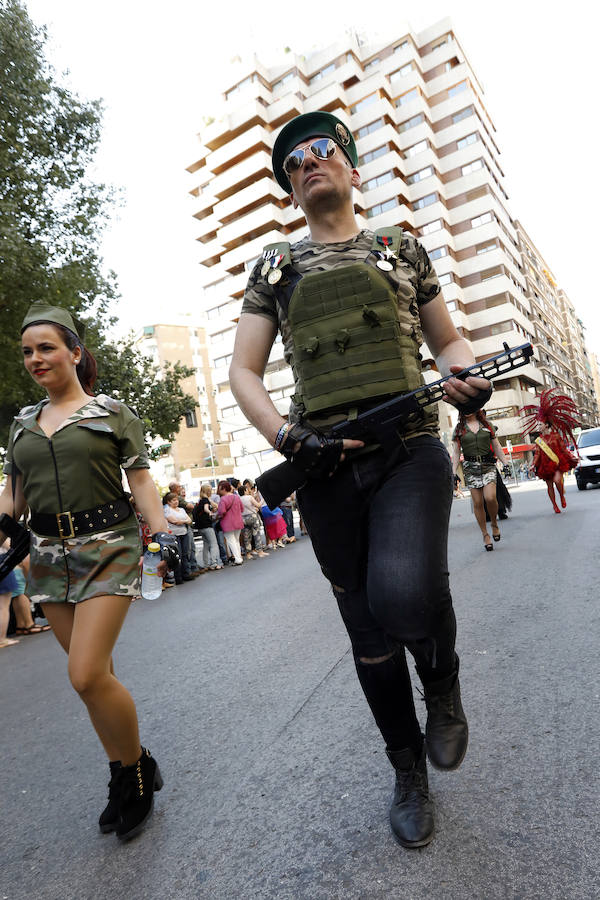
380,423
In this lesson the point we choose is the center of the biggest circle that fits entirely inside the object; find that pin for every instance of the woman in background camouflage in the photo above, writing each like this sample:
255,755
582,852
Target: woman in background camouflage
65,456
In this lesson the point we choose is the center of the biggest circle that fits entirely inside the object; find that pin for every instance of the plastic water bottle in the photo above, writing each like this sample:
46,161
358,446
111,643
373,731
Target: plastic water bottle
151,580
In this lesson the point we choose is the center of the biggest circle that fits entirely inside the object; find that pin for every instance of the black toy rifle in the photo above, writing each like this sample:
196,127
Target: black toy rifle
19,544
381,424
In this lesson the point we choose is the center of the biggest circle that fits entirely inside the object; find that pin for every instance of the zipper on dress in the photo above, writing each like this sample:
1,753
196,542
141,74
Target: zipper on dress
60,510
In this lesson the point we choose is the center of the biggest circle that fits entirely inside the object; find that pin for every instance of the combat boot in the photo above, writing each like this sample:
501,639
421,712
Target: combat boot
411,812
136,787
110,815
447,731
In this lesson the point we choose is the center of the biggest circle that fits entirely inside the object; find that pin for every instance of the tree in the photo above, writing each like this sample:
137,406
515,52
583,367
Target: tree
51,219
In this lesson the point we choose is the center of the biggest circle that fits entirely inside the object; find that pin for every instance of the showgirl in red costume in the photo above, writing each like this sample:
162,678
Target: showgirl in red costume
556,414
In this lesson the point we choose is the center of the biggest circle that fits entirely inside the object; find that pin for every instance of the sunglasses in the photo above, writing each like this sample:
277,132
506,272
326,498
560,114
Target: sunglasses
324,148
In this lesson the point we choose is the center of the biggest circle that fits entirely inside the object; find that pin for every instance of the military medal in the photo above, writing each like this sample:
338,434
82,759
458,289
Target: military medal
385,256
269,257
385,264
265,268
275,273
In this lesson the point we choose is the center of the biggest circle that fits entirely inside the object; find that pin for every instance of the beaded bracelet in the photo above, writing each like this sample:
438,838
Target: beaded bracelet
281,435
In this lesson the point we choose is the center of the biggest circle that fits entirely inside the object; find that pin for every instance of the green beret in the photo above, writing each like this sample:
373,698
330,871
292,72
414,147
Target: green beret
313,124
43,312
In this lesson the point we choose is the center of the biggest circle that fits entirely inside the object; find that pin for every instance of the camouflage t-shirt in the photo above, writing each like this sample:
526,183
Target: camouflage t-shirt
414,278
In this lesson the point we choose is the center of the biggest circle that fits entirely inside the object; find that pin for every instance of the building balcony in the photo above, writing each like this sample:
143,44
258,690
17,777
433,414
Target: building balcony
253,224
241,175
238,148
263,189
331,97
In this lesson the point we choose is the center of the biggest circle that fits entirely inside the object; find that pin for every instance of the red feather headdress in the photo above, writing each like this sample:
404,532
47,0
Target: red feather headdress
556,410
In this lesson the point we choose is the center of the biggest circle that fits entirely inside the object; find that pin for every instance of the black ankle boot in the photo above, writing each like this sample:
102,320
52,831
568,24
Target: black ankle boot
110,816
411,812
136,788
447,731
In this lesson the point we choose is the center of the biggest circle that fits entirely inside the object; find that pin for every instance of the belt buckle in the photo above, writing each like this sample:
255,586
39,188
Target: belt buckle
61,533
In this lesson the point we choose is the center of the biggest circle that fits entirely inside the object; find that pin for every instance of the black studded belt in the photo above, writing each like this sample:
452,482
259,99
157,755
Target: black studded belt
75,524
488,458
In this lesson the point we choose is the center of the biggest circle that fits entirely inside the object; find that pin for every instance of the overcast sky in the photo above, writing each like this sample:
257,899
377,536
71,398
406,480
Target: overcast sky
157,67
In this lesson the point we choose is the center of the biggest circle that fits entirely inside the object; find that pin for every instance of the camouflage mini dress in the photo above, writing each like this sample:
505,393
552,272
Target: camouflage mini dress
77,469
479,464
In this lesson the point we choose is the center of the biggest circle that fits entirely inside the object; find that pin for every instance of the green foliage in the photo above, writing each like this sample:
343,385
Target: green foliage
156,395
51,219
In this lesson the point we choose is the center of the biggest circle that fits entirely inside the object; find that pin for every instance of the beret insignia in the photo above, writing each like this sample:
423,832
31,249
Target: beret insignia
342,133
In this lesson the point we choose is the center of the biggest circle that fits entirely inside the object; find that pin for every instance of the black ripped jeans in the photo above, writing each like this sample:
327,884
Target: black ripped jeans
381,540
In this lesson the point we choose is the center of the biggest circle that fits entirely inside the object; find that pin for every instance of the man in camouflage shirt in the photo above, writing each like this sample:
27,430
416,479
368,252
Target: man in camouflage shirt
378,523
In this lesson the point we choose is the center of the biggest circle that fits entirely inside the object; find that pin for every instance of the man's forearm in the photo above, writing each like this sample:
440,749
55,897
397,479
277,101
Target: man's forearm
254,401
455,353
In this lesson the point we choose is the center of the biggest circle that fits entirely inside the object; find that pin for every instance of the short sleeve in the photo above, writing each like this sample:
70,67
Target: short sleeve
132,446
428,286
259,299
8,463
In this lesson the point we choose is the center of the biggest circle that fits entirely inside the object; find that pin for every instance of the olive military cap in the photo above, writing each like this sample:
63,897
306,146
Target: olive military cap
43,312
313,124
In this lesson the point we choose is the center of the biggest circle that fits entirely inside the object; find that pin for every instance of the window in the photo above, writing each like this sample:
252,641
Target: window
472,167
462,114
436,225
221,361
400,47
469,139
372,154
371,64
410,123
457,88
416,148
447,278
492,273
240,86
438,253
363,103
382,207
318,75
407,97
483,219
190,419
427,200
373,183
369,129
280,83
420,175
451,305
401,72
485,248
441,43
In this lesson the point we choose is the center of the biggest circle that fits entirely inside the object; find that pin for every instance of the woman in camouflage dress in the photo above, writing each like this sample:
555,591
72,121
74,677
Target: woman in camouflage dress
65,455
475,437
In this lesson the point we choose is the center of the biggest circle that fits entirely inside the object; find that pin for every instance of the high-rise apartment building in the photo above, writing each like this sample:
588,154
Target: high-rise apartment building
197,451
429,161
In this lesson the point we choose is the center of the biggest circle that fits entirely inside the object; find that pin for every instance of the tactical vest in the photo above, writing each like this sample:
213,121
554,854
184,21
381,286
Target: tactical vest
352,342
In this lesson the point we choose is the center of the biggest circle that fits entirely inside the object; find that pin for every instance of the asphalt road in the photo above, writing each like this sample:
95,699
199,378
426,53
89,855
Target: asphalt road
276,781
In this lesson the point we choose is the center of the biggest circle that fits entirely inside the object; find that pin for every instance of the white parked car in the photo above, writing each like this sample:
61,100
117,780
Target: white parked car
588,468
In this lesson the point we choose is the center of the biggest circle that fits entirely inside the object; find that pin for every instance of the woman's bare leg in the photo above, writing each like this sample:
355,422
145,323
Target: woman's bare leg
560,484
550,487
489,494
478,509
4,617
88,632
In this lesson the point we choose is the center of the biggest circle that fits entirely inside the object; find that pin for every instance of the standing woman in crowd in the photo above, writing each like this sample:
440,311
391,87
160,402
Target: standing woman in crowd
204,513
481,449
64,457
230,515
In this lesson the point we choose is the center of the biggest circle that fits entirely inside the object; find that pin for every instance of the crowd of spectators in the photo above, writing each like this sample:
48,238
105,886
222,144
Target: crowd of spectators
232,522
